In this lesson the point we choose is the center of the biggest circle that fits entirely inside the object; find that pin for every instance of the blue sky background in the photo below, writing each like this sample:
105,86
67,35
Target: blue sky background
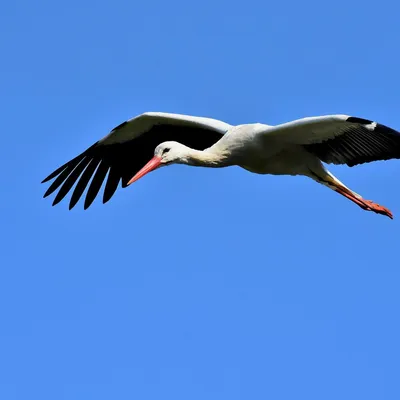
196,283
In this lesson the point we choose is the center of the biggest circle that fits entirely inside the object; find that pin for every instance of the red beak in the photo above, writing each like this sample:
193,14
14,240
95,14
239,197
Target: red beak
153,164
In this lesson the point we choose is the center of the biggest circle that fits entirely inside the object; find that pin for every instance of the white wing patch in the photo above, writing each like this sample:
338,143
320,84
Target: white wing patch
141,124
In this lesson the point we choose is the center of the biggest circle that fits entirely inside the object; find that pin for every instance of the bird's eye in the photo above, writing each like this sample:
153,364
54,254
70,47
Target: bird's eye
166,151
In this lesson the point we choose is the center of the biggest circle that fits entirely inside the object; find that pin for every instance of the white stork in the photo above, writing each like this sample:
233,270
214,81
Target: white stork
154,139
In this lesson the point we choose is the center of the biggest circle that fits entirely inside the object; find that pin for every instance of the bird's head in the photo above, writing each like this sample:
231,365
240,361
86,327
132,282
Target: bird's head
165,154
171,152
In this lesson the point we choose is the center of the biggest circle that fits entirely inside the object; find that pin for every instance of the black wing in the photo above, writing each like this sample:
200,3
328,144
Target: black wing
121,161
358,141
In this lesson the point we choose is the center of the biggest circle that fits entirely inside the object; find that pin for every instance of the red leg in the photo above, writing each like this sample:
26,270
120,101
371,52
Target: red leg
364,204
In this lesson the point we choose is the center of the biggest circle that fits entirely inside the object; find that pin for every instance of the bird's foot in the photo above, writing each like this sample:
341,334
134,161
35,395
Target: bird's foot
371,206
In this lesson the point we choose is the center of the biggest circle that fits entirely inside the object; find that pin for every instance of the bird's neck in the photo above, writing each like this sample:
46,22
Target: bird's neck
205,158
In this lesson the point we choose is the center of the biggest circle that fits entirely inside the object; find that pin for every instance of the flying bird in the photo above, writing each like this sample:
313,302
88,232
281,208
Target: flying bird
155,139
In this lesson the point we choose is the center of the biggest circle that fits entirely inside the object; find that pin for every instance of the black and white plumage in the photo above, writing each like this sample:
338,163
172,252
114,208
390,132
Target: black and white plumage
152,140
356,142
126,149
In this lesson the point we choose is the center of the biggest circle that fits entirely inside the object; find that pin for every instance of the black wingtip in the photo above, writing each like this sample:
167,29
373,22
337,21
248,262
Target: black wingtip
56,172
385,129
48,192
379,128
74,161
56,200
362,121
87,203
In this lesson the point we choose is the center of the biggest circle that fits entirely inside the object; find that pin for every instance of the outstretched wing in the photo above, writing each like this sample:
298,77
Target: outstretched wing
341,139
125,150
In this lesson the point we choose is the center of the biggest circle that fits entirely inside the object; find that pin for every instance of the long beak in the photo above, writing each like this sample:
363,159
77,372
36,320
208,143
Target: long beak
153,164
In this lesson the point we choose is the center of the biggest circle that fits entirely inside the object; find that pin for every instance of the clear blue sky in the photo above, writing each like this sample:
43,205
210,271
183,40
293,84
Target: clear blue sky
196,283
